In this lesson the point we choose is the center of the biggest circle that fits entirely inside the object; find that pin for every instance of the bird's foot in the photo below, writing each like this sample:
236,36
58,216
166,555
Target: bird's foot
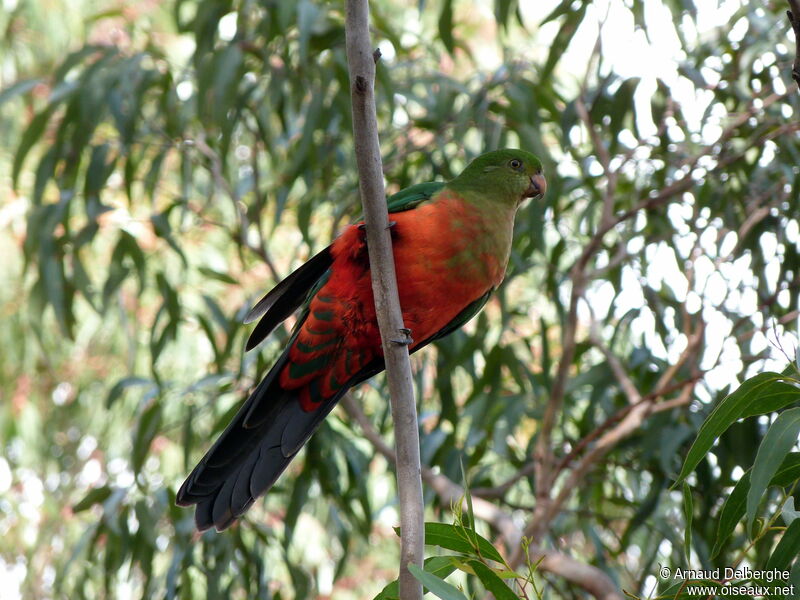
363,226
406,340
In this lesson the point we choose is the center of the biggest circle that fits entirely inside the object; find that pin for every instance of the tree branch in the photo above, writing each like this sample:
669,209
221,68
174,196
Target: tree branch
614,363
361,64
614,430
543,457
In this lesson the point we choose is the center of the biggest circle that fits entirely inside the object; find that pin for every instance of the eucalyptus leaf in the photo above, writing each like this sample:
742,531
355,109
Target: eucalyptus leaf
781,437
437,586
762,394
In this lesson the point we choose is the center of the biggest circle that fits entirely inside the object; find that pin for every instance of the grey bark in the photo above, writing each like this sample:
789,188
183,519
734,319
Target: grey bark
394,336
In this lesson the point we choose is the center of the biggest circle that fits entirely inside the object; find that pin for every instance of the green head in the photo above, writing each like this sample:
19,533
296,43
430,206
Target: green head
509,174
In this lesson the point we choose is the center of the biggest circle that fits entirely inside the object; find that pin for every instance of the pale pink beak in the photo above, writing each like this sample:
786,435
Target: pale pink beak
537,188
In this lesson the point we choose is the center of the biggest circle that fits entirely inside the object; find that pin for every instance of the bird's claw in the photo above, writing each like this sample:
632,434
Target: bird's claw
406,340
363,226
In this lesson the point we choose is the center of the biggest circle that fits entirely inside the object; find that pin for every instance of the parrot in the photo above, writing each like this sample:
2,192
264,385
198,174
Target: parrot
451,243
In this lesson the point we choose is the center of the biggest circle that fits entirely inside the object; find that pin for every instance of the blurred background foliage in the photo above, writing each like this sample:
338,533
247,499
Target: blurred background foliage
164,163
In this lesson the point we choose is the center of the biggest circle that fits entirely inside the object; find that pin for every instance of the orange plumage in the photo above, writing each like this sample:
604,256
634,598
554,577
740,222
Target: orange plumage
438,274
451,244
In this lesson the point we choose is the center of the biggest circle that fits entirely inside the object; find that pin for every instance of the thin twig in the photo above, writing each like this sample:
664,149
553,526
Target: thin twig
361,64
614,363
240,234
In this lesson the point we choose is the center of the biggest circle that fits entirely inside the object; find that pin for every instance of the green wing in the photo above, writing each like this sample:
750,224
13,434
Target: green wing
472,309
412,196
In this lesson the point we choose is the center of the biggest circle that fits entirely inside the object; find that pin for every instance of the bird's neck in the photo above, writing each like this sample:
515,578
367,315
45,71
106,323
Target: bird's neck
491,226
481,190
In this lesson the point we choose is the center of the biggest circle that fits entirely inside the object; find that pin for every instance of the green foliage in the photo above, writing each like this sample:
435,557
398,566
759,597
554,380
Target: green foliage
441,589
760,395
475,555
774,466
780,438
166,163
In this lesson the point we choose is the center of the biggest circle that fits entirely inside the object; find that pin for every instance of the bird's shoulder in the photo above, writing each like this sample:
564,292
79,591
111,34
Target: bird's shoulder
413,196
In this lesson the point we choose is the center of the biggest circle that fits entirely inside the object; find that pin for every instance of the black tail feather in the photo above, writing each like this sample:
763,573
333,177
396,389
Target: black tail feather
286,297
246,461
251,454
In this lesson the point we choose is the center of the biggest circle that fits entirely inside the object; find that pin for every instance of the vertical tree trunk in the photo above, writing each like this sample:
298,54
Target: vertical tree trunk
361,63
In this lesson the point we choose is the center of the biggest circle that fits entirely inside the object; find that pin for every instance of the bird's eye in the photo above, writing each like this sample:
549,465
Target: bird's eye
514,163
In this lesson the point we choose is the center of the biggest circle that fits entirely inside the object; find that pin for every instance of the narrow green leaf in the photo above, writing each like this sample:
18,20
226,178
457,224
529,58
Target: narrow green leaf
163,229
440,566
468,496
688,511
145,432
52,275
126,248
789,471
104,14
44,173
306,16
117,273
452,537
545,359
301,581
492,581
178,554
216,312
562,39
787,550
98,171
77,57
207,328
645,509
82,282
87,537
123,384
446,25
731,512
218,275
130,247
559,10
439,587
779,440
762,394
734,508
226,73
152,178
96,495
29,138
502,10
